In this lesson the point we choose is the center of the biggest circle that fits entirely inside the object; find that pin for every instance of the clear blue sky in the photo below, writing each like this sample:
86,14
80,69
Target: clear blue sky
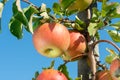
18,58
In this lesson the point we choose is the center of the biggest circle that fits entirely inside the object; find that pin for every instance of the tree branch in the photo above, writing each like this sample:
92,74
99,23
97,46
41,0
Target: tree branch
28,2
110,42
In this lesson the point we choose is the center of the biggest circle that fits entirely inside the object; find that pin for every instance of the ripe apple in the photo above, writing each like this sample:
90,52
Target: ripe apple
103,75
51,39
77,45
115,69
79,5
51,74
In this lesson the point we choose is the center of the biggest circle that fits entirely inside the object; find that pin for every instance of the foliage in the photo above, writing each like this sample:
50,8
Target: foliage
30,17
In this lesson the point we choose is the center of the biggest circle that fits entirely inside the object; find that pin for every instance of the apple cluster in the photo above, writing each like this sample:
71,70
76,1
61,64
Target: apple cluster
55,40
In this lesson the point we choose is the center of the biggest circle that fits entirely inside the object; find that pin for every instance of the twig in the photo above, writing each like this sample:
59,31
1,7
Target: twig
110,42
28,2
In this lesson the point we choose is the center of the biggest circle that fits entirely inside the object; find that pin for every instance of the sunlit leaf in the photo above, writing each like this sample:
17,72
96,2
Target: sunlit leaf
43,11
92,29
113,55
64,70
1,10
29,12
115,35
16,28
116,25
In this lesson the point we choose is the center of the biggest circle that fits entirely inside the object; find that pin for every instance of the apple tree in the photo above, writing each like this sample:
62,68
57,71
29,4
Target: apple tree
71,30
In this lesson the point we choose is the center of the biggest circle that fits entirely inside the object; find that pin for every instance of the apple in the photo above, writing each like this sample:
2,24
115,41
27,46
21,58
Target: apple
79,5
51,74
77,45
115,69
103,75
51,39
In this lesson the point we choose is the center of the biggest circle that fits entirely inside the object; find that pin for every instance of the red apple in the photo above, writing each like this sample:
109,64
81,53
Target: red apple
51,74
115,69
103,75
77,45
51,39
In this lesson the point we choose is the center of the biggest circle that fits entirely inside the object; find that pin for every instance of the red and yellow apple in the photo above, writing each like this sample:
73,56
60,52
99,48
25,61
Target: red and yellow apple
51,74
103,75
77,45
51,39
115,69
79,5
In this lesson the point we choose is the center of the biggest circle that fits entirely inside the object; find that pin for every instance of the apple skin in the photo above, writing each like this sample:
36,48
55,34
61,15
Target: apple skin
51,39
51,74
79,5
103,75
77,45
115,69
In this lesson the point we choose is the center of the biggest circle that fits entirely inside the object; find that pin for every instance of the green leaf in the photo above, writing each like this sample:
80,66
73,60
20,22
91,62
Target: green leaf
92,29
64,70
109,9
115,35
36,23
116,25
36,75
16,28
1,10
18,13
51,65
57,8
29,13
113,55
66,3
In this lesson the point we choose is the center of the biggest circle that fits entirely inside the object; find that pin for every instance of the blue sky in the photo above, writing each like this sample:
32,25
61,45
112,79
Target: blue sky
18,58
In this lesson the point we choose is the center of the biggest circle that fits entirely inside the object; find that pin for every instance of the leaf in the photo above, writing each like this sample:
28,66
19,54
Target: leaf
80,22
36,23
16,28
36,75
66,3
64,70
18,13
109,58
51,65
29,12
92,29
115,35
1,10
116,25
43,11
57,8
110,9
